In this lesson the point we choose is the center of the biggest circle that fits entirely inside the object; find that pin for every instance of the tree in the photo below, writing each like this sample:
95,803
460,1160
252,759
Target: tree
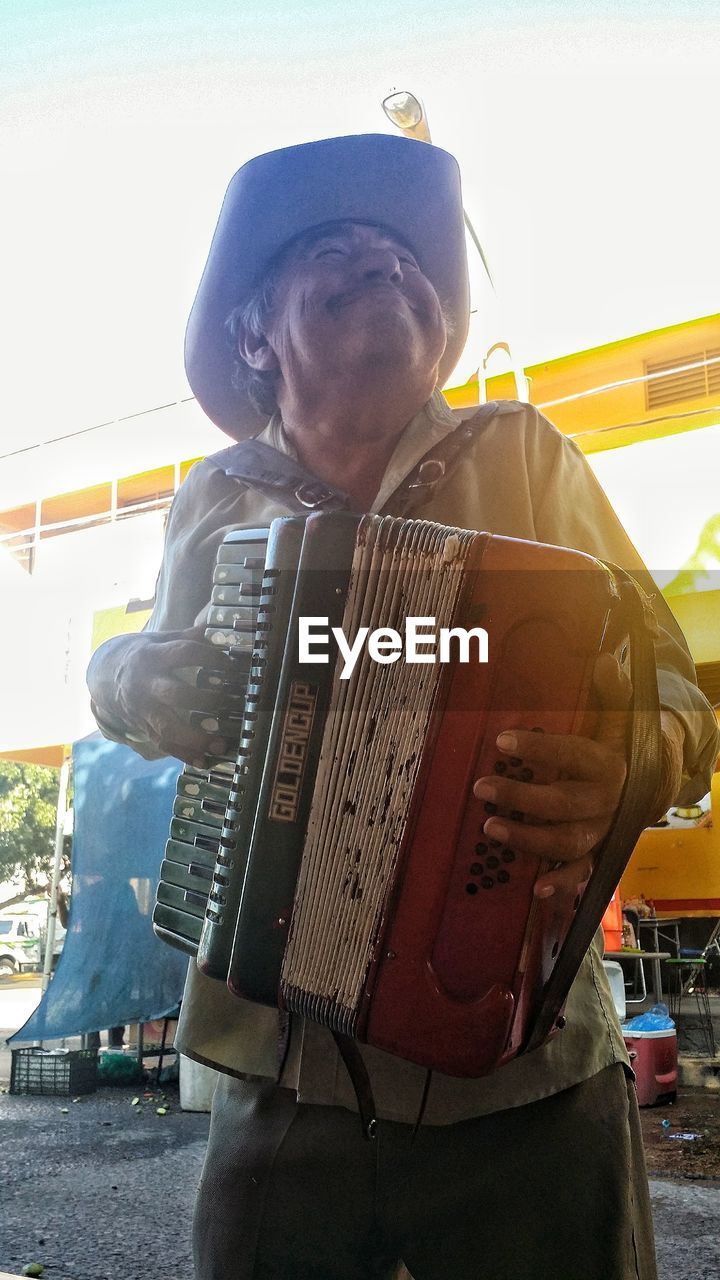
28,806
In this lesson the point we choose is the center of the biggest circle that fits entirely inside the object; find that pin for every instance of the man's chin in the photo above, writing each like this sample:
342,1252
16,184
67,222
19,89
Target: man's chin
393,338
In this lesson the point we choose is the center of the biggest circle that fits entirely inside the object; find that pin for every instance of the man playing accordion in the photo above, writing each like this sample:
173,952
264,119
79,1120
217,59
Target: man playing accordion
333,307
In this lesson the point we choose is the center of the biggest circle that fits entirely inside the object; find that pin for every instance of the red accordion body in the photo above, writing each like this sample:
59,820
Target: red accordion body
458,951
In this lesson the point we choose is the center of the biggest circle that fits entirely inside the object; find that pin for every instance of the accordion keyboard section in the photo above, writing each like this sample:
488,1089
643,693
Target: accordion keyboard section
191,872
274,601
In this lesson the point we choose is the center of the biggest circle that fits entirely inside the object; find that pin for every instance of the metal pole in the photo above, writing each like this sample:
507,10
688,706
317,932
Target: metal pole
420,129
57,867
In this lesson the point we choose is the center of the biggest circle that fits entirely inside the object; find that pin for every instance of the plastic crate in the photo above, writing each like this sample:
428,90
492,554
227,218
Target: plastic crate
54,1071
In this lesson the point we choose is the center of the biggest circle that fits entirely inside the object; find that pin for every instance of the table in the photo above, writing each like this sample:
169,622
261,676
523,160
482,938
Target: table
656,957
680,968
666,929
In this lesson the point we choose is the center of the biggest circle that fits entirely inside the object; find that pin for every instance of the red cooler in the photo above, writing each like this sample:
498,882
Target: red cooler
653,1055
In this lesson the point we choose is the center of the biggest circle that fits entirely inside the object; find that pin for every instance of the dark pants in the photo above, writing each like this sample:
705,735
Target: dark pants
555,1190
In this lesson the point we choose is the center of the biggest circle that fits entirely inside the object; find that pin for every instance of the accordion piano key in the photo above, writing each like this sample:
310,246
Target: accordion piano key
232,684
208,813
201,795
188,900
197,787
226,726
178,928
229,594
231,551
242,618
236,575
183,851
207,837
235,641
193,875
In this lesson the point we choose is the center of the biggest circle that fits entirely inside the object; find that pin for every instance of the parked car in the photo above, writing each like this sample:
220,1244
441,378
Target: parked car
20,949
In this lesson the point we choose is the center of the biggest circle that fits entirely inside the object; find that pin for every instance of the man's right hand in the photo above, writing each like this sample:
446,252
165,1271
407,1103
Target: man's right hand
145,683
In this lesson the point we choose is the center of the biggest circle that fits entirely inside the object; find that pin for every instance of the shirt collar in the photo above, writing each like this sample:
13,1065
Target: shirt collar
434,421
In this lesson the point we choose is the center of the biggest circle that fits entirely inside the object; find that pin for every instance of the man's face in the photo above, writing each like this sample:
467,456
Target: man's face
354,298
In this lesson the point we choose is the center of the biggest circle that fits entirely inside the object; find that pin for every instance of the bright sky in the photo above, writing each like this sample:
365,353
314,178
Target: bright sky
587,139
586,136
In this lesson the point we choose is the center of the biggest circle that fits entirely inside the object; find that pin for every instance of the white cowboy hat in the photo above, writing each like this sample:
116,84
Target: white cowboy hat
409,186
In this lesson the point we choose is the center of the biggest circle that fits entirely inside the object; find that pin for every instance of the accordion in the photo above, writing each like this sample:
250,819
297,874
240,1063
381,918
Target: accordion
335,864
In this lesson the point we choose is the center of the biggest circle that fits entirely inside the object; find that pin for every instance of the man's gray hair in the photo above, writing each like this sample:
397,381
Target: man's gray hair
252,316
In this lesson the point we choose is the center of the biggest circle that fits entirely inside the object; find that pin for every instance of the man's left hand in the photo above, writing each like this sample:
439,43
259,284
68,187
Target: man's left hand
564,817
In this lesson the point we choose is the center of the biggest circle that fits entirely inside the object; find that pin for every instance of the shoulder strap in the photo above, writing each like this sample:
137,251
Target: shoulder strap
434,469
644,756
261,467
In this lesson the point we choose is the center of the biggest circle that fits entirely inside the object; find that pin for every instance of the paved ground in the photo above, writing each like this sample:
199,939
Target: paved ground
687,1225
100,1189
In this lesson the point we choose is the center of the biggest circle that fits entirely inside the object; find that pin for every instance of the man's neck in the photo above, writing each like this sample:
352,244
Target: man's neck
349,445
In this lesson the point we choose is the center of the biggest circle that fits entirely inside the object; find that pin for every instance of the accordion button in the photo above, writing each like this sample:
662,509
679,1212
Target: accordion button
471,888
480,849
508,855
493,862
501,766
476,868
489,807
503,876
526,775
487,882
515,761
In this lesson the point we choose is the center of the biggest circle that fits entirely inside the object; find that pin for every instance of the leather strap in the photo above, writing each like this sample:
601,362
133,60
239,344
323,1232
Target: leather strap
644,752
357,1071
435,468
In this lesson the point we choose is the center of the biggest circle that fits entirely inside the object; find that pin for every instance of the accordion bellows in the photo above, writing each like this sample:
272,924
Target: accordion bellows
353,882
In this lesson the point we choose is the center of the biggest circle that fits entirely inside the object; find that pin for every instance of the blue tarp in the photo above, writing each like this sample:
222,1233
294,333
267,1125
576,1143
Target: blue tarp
113,969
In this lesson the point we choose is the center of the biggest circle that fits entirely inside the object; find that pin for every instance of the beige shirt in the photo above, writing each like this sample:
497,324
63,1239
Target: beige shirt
521,478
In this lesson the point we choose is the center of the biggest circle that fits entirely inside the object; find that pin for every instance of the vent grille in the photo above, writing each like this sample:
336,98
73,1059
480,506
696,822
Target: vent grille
713,371
684,377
